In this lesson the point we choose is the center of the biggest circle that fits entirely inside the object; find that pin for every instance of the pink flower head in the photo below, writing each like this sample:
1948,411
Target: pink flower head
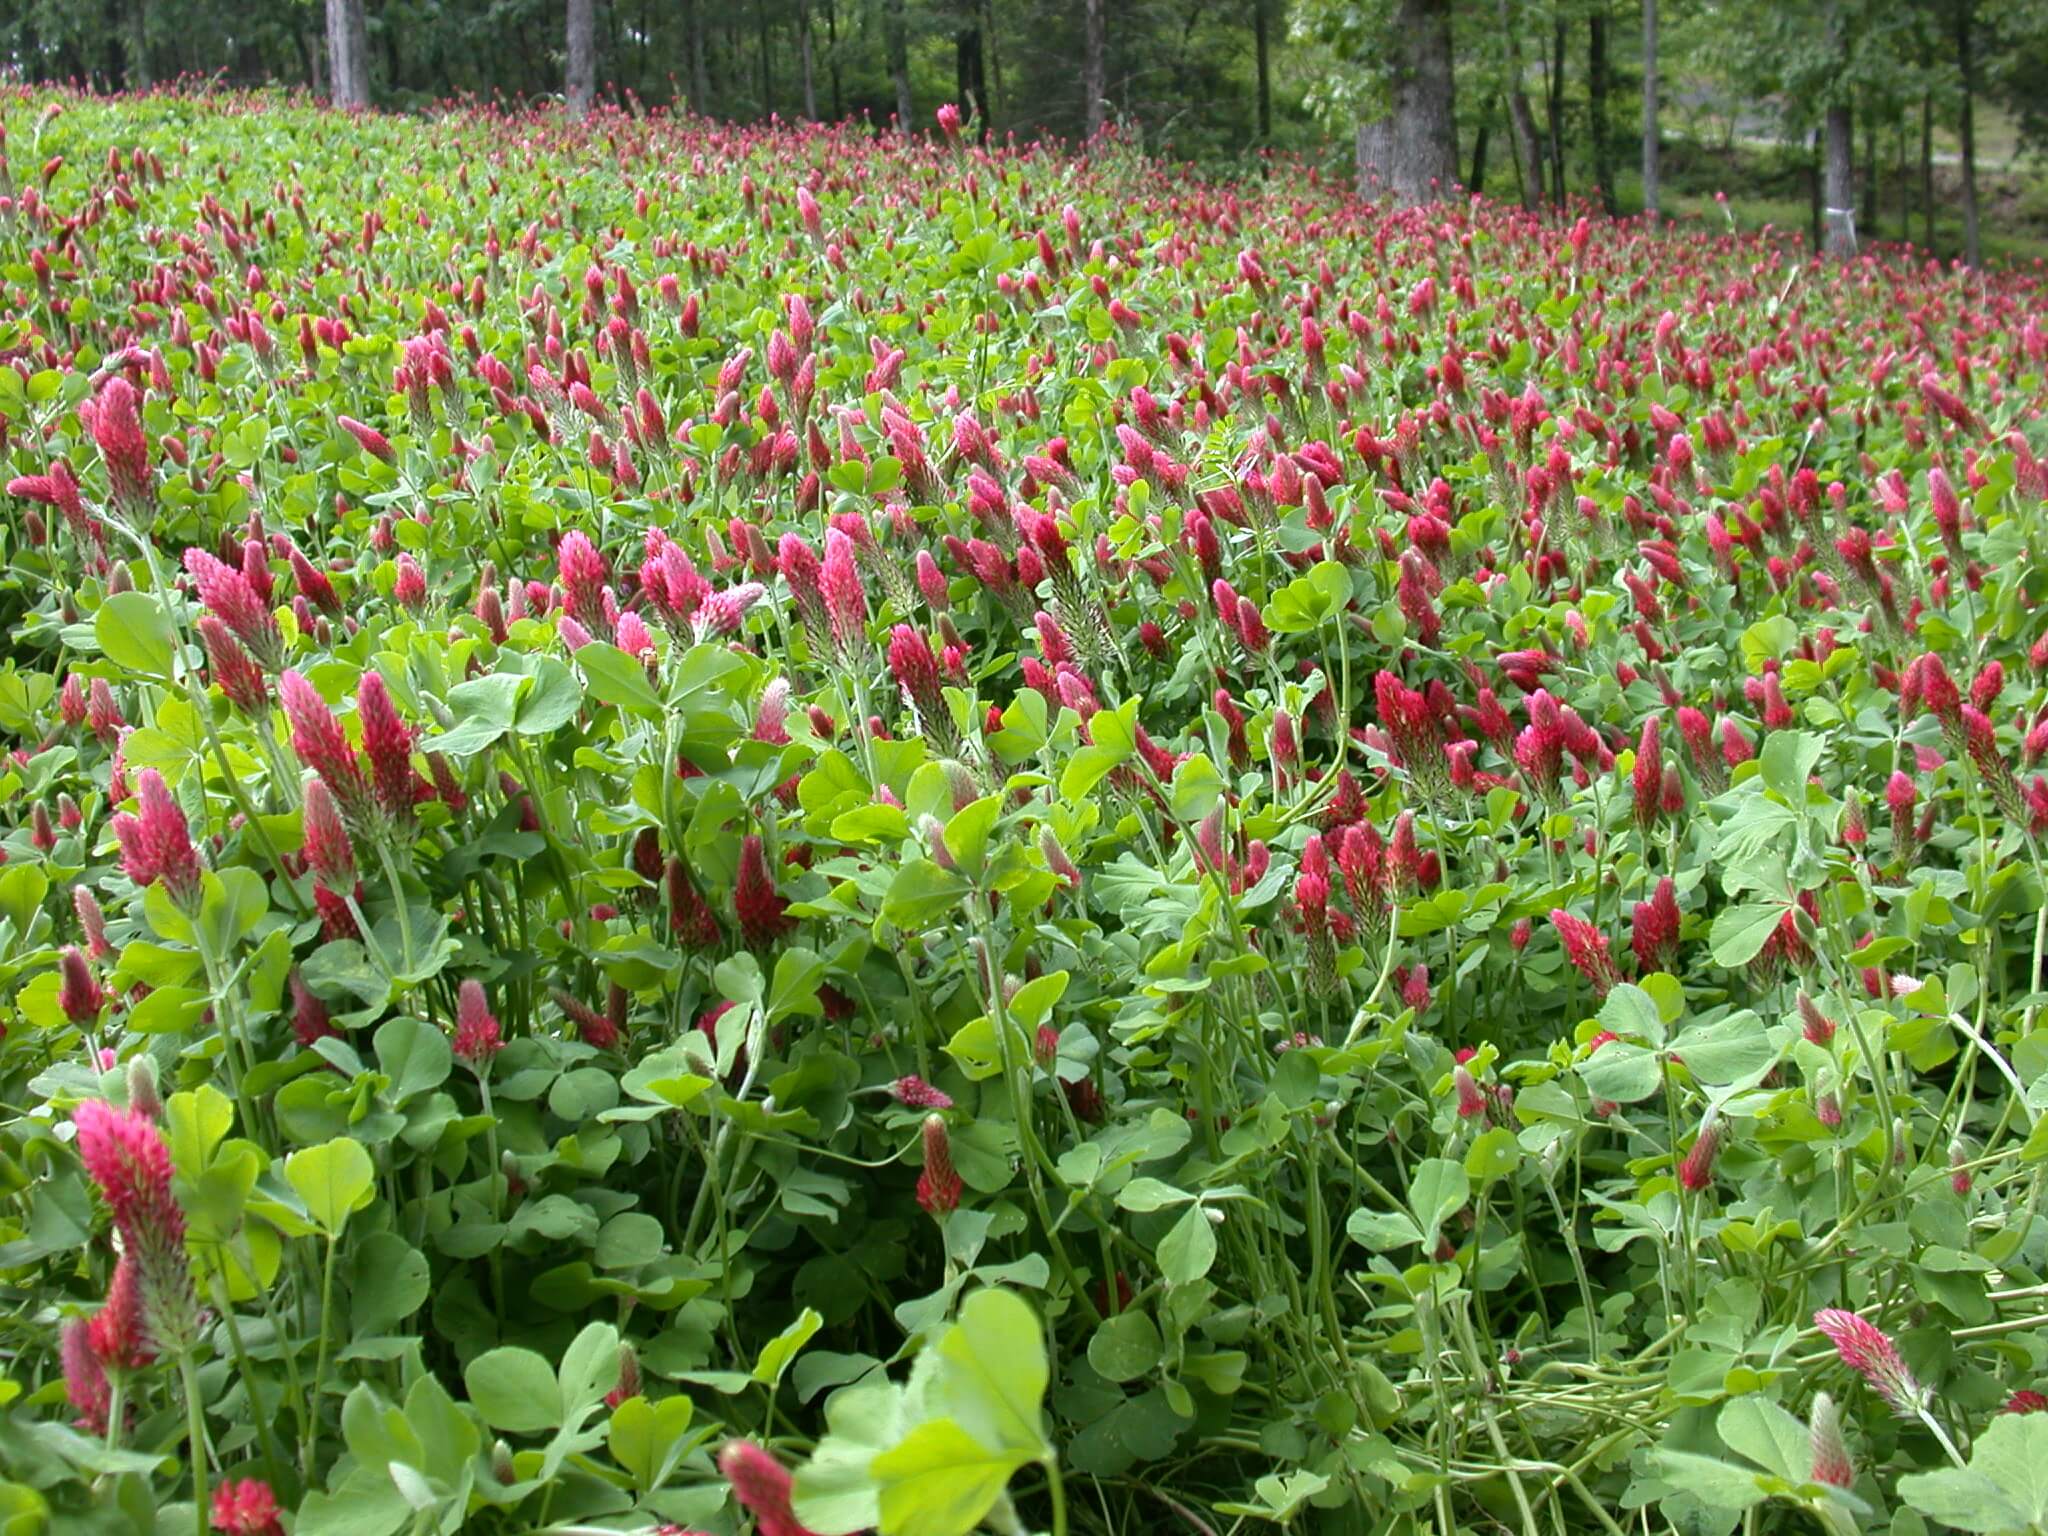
839,584
1654,936
1696,1171
1471,1098
231,598
329,853
1868,1350
760,909
125,1155
387,743
763,1487
116,423
368,438
232,668
78,994
2025,1401
1648,781
120,1336
477,1036
318,739
582,572
939,1187
245,1506
916,1093
85,1377
1831,1463
1585,946
156,844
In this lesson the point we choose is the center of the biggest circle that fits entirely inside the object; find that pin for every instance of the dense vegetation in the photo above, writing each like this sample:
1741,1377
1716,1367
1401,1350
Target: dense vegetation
1049,842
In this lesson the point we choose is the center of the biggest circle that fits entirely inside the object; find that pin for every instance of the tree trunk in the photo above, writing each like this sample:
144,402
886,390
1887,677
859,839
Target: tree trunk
1816,221
970,81
1094,66
1596,104
1524,144
1412,152
767,70
582,78
1927,169
1966,66
700,70
1652,147
997,100
806,63
1871,151
1554,107
1262,48
136,17
1476,182
832,56
1838,210
899,61
348,54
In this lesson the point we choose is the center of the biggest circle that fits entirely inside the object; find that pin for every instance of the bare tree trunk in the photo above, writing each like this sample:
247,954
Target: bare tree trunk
136,18
997,100
899,61
348,54
1412,152
1838,194
767,72
832,56
1596,104
1262,47
1652,146
1554,106
1966,66
1476,182
700,70
1870,158
1094,65
1524,144
970,80
1927,169
582,78
805,61
1816,221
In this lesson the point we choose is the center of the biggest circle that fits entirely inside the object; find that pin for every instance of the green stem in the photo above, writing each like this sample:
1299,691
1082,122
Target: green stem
320,1356
195,1431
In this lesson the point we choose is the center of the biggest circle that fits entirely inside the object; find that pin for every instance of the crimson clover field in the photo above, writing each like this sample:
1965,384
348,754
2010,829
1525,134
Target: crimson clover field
772,829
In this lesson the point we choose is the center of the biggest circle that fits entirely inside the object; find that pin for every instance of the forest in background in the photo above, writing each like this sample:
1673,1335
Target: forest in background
1926,118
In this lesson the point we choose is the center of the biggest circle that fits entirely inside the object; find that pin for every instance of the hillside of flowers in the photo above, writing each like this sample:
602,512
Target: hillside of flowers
771,830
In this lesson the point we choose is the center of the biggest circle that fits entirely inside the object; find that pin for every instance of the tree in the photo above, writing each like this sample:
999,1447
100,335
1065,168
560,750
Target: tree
348,54
1596,103
1262,49
1838,191
1094,66
806,61
897,28
1964,22
1411,151
582,79
1652,146
1523,141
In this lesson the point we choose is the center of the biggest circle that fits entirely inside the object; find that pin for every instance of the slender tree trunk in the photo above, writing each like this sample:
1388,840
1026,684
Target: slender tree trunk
970,77
1555,110
1476,182
1838,193
806,63
1094,66
767,66
1870,158
832,56
1524,144
1966,66
1262,48
582,75
693,43
1652,146
348,54
1412,152
1927,169
1816,223
899,62
136,18
1596,104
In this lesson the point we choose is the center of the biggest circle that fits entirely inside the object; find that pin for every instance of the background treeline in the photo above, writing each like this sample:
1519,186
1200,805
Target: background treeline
1925,117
